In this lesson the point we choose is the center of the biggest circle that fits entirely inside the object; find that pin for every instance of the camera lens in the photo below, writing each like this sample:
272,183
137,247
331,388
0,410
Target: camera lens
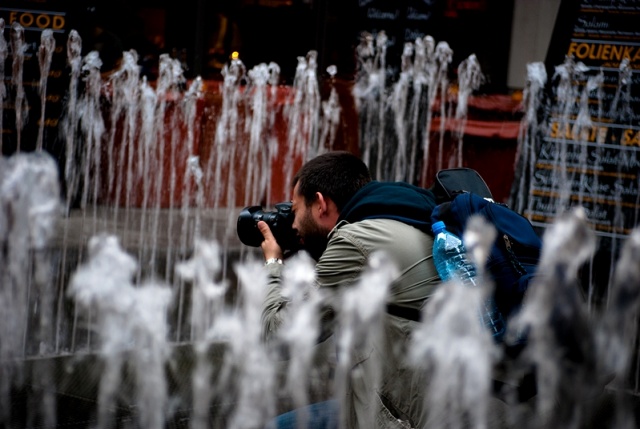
247,228
280,222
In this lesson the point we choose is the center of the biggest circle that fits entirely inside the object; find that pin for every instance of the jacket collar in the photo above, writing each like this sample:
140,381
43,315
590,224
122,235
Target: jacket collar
399,201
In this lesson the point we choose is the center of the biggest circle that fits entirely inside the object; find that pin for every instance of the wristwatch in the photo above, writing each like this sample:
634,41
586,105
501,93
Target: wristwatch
273,261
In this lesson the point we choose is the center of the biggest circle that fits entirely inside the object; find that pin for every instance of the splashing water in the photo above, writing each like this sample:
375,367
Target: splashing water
617,327
208,295
131,326
93,128
469,79
624,300
4,53
458,354
621,104
423,74
125,95
561,339
130,332
567,94
259,123
330,116
302,115
254,380
368,92
577,157
300,329
207,305
29,200
18,48
227,130
396,121
45,55
193,173
444,56
398,106
361,313
70,123
530,129
582,127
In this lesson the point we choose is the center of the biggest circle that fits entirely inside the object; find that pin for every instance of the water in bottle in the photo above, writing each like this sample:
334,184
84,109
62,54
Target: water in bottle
449,257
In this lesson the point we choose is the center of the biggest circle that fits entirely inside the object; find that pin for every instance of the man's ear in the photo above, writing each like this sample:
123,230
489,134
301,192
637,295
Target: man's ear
327,209
322,202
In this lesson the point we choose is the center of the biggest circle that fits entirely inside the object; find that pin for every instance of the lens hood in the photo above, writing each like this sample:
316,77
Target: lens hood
247,227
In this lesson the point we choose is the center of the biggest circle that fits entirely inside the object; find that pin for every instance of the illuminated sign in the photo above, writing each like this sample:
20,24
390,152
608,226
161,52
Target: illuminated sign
35,20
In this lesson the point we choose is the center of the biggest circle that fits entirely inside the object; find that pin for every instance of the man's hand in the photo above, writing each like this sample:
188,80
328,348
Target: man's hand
270,246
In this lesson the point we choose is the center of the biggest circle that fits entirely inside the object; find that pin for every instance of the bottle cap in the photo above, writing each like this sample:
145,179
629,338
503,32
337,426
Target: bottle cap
437,227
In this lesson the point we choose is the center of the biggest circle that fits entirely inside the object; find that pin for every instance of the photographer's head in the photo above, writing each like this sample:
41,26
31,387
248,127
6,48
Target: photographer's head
322,187
336,175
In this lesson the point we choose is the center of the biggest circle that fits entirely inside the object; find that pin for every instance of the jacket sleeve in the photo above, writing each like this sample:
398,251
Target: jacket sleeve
339,267
274,302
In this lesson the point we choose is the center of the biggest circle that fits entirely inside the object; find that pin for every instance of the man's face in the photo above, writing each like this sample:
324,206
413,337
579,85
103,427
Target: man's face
312,235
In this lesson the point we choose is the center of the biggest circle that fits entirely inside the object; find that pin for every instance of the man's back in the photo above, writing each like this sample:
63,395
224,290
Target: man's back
400,389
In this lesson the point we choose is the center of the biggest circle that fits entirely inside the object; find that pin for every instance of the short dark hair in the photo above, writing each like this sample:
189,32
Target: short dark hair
337,175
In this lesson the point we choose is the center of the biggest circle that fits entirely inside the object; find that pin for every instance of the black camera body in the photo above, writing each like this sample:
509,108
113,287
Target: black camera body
280,222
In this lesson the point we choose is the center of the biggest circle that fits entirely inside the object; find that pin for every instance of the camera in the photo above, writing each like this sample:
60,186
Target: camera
280,222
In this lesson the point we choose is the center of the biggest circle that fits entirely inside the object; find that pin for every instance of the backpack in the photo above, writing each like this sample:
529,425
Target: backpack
515,253
513,260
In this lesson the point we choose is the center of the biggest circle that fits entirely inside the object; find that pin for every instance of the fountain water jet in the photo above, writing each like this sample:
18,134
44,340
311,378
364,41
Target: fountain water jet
130,325
18,47
360,317
469,80
29,201
45,55
4,53
530,129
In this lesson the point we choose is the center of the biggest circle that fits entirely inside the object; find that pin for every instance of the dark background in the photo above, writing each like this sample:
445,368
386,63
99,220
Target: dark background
282,30
260,31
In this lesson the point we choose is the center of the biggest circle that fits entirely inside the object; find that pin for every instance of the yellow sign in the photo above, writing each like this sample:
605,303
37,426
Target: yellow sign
595,134
603,51
35,19
631,138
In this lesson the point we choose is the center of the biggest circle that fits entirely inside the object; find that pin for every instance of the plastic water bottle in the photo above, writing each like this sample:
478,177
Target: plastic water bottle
449,256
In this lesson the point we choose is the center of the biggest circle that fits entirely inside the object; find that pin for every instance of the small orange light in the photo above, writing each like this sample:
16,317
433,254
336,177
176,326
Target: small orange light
235,55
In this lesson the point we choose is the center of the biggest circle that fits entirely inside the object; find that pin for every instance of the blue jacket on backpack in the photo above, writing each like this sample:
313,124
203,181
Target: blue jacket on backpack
514,256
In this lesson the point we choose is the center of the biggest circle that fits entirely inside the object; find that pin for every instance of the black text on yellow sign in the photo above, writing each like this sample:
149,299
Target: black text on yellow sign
39,20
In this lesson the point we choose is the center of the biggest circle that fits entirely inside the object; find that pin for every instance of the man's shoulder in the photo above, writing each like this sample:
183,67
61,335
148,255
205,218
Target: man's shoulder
376,227
406,243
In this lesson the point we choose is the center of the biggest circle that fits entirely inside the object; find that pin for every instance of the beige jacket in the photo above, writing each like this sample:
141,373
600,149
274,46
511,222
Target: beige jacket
397,399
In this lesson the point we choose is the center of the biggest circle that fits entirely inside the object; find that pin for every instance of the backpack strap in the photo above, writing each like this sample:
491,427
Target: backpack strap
515,263
405,312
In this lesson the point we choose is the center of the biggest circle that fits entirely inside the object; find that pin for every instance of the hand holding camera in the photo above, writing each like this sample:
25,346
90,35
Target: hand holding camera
279,222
